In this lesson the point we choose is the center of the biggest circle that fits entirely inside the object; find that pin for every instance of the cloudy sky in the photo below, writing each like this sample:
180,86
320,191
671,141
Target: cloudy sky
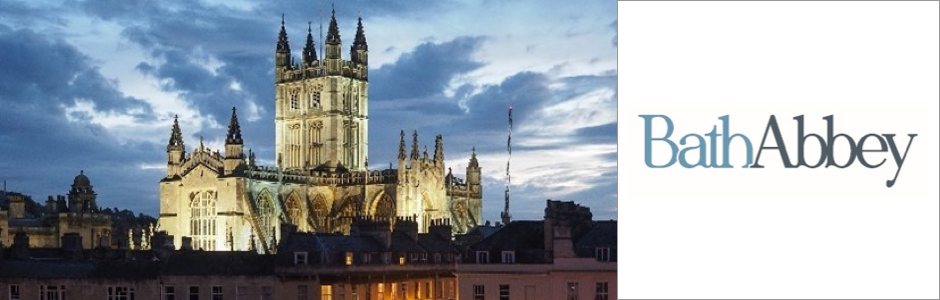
94,85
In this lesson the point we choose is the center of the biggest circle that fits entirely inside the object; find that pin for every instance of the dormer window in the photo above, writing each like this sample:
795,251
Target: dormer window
437,258
602,253
366,258
401,260
300,258
349,258
483,257
509,257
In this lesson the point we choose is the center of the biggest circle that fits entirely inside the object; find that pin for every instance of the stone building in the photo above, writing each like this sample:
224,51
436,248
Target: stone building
565,256
80,215
375,262
322,179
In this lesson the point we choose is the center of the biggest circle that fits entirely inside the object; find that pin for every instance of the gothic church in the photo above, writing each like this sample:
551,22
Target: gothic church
322,180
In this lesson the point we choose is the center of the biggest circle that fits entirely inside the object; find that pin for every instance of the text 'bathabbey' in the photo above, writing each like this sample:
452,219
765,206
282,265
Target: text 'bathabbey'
322,180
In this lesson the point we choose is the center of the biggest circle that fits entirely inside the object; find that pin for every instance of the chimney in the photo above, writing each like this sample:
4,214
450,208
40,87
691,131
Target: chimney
377,228
51,209
187,244
72,245
17,206
20,248
441,228
407,225
564,220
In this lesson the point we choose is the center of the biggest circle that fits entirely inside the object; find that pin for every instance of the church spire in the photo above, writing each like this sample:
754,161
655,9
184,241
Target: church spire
473,158
360,41
439,148
332,34
310,50
401,147
282,54
283,46
234,131
176,135
414,147
360,50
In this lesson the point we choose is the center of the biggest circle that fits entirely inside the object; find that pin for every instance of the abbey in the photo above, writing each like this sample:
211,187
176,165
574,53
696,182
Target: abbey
322,180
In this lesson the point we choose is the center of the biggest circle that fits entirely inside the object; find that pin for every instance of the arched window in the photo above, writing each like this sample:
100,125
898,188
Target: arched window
266,215
294,100
347,213
202,223
385,208
318,214
294,211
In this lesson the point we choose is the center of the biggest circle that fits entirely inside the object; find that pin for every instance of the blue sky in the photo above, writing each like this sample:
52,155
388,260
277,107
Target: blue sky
94,86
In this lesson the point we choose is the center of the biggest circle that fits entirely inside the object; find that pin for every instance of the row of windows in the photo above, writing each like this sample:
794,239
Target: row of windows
302,258
571,291
422,290
313,100
509,257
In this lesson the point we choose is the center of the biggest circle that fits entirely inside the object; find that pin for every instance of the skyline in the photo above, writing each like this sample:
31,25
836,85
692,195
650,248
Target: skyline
129,67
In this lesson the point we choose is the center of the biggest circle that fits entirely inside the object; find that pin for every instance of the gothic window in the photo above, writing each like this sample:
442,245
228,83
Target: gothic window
294,100
293,209
349,211
202,220
318,217
266,214
315,97
314,142
385,208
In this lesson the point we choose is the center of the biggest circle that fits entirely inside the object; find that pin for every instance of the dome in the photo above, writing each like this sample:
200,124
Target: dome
81,180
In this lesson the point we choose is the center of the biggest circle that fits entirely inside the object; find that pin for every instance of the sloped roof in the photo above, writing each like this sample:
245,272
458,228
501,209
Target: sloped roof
518,235
601,234
402,242
436,243
201,263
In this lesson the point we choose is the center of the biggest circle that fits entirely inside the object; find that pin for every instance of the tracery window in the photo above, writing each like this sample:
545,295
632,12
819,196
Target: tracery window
318,217
385,208
294,100
293,209
202,222
266,215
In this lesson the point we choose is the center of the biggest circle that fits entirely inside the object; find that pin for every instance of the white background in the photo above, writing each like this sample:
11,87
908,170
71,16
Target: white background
775,232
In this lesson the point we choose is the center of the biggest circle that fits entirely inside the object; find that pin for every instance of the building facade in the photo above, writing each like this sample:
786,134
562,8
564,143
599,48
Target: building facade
322,180
566,256
79,215
375,262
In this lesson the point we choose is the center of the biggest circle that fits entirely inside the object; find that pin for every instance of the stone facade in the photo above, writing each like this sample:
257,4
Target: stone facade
80,215
322,180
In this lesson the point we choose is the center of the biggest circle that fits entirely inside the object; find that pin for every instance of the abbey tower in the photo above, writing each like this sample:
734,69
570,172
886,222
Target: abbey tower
321,105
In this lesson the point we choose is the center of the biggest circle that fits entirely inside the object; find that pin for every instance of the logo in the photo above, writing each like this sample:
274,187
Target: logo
869,149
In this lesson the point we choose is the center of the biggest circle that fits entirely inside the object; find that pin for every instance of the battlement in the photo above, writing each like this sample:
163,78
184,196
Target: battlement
322,177
347,69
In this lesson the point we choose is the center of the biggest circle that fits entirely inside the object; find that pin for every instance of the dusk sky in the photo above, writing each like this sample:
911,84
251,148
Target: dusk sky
94,86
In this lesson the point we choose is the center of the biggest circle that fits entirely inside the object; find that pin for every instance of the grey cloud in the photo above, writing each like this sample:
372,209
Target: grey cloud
425,71
40,149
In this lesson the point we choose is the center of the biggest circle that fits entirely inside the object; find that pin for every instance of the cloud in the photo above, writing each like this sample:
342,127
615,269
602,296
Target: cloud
430,68
53,99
